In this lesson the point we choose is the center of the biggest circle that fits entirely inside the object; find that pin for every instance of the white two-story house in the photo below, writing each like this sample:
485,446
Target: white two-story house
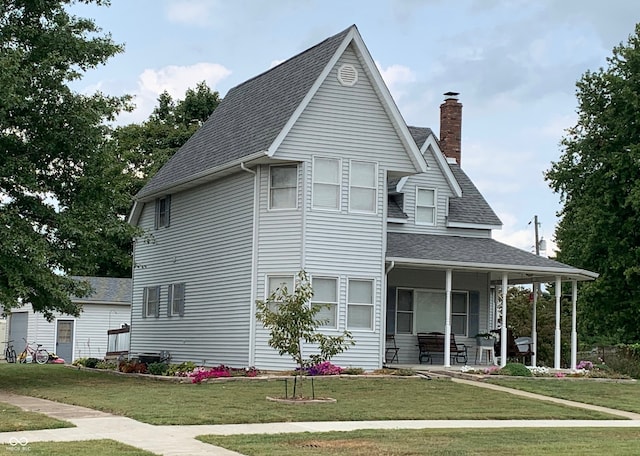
311,166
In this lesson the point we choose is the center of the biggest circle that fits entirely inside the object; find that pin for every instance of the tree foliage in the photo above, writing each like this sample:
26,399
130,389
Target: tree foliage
292,322
148,146
598,179
58,179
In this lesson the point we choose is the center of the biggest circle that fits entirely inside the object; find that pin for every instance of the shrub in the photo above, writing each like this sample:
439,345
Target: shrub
516,370
133,366
353,371
157,368
91,362
80,362
201,373
106,365
181,370
325,368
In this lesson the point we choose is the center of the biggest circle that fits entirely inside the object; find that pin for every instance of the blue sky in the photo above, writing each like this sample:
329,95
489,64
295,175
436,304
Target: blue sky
514,62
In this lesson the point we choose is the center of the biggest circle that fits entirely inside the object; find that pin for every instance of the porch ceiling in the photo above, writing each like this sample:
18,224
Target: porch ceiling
487,255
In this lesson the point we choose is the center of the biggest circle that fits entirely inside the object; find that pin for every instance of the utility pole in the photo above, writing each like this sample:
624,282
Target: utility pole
535,225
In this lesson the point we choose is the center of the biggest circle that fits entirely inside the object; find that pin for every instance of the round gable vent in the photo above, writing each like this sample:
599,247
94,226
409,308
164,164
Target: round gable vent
347,75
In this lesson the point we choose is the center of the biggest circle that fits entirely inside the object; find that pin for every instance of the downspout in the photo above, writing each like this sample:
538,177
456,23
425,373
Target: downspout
254,255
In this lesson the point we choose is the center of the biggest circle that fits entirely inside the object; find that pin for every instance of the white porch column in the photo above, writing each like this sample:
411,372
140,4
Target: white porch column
447,320
534,325
557,346
503,329
574,329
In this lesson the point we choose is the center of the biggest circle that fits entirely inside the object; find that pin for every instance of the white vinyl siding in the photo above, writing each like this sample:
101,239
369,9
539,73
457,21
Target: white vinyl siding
283,187
325,294
363,187
326,183
360,304
209,247
425,206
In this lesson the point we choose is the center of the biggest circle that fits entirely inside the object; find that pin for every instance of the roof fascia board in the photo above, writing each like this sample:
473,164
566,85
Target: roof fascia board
475,226
91,303
442,163
201,177
574,272
134,215
401,182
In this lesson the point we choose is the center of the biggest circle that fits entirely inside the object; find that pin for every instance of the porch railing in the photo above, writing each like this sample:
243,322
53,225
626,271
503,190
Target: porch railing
118,341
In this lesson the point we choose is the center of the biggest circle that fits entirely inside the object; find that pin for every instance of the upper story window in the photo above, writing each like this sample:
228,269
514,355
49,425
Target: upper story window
163,210
151,302
176,299
425,206
326,183
325,294
283,187
362,187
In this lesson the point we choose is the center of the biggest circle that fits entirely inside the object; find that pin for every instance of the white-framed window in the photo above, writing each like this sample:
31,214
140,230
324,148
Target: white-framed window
326,183
459,312
276,283
404,311
283,187
363,188
325,295
163,212
425,206
151,302
360,304
175,301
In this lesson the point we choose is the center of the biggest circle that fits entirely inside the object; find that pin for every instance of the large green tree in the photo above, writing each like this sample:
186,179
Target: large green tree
59,182
148,145
598,179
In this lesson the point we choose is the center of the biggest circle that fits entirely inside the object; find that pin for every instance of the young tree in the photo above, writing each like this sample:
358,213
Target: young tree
292,322
598,179
52,153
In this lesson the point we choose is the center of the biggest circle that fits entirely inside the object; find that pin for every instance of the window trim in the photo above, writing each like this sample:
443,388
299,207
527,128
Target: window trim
374,188
145,302
372,304
335,305
271,208
314,182
434,207
171,301
158,213
466,314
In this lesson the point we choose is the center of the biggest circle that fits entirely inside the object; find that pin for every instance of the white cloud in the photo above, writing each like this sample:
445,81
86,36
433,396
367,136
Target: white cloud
397,77
191,12
175,80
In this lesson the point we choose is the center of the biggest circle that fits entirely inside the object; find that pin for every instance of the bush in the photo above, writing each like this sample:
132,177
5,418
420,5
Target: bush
353,371
158,368
181,370
91,363
80,362
129,367
516,370
106,365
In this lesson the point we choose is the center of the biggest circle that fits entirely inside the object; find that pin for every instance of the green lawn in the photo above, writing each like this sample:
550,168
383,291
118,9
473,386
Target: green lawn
15,419
158,402
617,395
439,442
92,447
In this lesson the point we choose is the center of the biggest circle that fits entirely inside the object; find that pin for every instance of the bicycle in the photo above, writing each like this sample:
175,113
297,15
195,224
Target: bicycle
38,354
10,353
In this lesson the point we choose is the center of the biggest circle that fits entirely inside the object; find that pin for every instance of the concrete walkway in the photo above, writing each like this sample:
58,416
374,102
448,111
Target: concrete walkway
180,440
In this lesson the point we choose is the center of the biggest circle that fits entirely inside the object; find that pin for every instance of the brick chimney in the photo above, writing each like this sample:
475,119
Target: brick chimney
451,126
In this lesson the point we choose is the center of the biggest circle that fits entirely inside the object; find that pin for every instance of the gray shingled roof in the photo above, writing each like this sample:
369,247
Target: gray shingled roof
248,119
107,289
469,251
471,207
420,134
394,207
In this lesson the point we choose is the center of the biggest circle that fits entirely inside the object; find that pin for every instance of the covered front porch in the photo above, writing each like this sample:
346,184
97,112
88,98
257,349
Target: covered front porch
457,286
